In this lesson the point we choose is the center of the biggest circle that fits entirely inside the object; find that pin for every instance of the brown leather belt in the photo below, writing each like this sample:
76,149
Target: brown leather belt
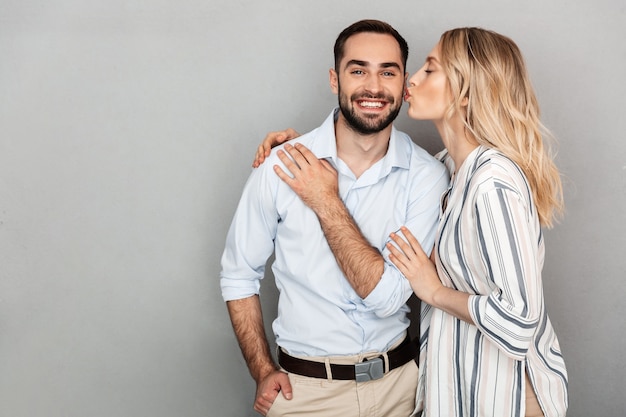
367,370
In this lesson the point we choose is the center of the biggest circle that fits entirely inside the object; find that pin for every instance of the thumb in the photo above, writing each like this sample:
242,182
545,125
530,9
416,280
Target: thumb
285,388
327,165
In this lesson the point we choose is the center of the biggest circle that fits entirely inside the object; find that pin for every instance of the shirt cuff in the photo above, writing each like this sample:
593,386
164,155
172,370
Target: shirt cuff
390,294
236,289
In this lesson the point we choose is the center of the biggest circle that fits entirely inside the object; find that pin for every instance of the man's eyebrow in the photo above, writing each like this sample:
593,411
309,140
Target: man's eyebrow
357,63
360,63
390,65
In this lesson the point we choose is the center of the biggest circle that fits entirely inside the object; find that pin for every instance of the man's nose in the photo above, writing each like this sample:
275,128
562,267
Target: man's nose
373,84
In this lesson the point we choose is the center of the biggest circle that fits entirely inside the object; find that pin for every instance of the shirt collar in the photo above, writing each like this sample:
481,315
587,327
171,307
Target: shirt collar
398,153
324,144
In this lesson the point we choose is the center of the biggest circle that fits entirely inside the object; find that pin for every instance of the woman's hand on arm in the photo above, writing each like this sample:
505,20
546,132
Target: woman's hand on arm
413,262
409,257
272,140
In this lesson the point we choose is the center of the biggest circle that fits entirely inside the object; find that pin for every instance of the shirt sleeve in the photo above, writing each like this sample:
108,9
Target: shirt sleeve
250,239
393,290
509,246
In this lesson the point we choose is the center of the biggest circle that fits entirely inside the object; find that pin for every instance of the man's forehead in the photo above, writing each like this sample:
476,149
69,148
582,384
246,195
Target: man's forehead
379,49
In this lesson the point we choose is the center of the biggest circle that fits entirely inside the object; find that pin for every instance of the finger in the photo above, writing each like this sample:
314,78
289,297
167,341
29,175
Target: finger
398,258
273,139
328,166
306,152
264,402
267,143
297,155
291,133
261,409
262,151
403,245
259,156
417,248
285,388
289,163
282,175
397,253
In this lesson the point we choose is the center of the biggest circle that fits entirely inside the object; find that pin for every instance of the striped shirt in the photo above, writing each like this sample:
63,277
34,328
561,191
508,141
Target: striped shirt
489,244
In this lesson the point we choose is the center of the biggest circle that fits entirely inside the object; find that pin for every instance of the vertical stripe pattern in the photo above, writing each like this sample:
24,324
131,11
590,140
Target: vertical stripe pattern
490,244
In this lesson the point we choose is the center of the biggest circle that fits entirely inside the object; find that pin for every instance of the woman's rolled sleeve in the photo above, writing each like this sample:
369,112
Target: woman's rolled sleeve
509,242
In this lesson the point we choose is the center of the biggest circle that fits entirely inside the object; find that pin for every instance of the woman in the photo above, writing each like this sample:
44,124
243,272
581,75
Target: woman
487,345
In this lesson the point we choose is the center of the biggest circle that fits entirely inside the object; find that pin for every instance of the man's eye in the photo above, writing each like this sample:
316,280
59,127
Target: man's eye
357,72
389,73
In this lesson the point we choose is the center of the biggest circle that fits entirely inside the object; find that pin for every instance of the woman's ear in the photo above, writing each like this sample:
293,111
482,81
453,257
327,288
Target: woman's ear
465,101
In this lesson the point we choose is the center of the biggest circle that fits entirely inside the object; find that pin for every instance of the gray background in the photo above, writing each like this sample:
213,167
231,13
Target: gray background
127,129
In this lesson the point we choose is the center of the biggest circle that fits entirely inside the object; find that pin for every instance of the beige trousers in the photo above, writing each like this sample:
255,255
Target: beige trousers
391,396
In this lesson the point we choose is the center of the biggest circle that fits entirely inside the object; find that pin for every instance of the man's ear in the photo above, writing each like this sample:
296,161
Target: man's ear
406,80
334,81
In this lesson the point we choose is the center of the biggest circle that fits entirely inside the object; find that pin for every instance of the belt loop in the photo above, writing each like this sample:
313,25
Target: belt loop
329,373
386,359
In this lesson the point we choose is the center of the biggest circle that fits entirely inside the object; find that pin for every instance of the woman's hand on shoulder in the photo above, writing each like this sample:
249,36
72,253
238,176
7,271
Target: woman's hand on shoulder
272,140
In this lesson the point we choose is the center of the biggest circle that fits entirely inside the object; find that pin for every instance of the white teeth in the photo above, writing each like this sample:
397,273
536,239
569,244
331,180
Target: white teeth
371,104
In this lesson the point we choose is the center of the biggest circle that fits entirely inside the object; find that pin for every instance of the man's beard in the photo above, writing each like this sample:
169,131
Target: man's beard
367,125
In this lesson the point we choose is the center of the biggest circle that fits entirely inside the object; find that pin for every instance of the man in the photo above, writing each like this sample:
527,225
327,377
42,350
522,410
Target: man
341,326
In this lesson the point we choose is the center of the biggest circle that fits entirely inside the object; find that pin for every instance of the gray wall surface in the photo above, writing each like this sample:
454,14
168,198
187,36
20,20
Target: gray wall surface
127,131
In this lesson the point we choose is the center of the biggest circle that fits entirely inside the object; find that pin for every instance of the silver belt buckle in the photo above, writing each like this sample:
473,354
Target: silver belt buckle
369,370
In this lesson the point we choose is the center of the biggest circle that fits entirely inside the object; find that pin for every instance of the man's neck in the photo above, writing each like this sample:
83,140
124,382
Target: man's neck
360,151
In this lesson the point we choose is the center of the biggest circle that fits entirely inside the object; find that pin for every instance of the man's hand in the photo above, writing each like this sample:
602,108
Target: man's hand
247,320
268,389
313,180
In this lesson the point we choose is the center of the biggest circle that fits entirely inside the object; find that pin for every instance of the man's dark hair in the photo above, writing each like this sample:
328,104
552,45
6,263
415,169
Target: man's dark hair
369,26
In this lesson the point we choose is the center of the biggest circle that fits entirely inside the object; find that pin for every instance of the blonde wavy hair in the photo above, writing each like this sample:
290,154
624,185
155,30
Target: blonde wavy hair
491,88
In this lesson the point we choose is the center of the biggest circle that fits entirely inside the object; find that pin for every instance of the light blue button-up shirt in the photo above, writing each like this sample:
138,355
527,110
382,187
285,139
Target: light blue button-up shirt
319,313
